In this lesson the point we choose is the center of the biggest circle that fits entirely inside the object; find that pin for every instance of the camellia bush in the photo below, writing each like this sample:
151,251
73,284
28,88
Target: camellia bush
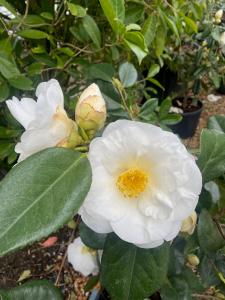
85,137
139,193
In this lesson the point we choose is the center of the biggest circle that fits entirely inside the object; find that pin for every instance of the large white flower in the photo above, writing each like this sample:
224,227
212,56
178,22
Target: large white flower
144,184
45,121
82,258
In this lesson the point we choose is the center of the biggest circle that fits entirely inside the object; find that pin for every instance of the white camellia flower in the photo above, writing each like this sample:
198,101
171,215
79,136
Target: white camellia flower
45,121
82,258
144,184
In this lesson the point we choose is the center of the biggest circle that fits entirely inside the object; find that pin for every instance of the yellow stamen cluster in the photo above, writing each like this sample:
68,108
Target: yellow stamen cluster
132,182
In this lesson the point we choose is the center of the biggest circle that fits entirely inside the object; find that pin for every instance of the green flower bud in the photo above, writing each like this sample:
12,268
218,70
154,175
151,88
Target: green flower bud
193,260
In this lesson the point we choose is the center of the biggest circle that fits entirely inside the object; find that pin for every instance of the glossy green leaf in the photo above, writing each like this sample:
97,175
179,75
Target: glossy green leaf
33,34
37,289
41,194
160,40
46,15
209,236
92,30
130,272
4,91
21,82
136,42
90,238
190,23
8,69
103,71
153,70
211,160
128,74
76,10
114,10
217,122
149,29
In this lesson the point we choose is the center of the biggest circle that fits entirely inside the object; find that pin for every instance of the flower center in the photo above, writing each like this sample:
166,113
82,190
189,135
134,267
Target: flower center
132,182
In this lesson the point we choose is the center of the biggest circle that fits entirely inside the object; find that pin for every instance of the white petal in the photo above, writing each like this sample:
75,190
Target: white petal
50,97
23,111
35,140
96,222
91,90
82,261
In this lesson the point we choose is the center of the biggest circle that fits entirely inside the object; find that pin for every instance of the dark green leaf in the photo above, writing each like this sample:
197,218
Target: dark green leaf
92,30
101,71
211,160
37,289
8,69
4,91
21,82
41,194
209,236
90,238
130,272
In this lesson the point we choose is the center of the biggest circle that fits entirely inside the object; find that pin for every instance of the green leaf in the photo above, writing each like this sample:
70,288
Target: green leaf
33,34
127,74
170,119
114,10
211,160
92,30
4,91
47,15
21,82
209,236
8,69
136,42
160,41
156,82
153,70
37,289
101,71
165,107
90,238
76,10
149,29
130,272
40,194
191,24
217,123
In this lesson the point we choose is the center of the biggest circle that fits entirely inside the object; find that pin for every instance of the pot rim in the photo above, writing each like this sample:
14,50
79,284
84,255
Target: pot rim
197,111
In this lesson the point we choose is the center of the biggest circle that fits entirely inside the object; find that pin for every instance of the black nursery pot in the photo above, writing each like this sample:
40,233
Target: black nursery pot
187,126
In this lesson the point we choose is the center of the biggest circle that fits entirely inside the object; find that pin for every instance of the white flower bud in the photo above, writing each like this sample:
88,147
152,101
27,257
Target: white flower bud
218,16
90,110
188,225
222,39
